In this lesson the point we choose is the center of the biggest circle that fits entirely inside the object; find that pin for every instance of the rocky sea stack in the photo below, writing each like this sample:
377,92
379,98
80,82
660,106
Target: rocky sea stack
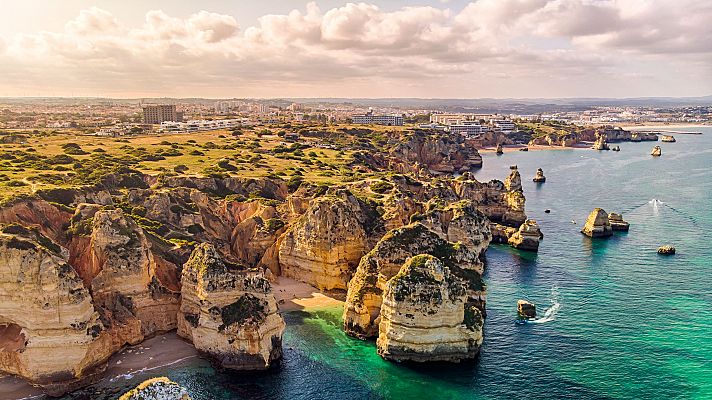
160,388
657,151
617,222
229,312
666,250
527,237
425,315
539,178
597,224
526,309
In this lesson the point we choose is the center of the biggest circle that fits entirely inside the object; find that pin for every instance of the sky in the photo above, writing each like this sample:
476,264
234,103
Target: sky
394,48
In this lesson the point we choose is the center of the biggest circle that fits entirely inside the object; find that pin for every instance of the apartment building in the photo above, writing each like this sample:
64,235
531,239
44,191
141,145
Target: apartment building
155,114
372,119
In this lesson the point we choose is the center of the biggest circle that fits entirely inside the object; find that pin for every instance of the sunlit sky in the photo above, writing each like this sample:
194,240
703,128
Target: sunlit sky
291,48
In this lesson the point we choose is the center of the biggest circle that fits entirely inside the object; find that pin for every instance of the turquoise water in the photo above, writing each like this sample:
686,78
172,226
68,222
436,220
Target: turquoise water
624,323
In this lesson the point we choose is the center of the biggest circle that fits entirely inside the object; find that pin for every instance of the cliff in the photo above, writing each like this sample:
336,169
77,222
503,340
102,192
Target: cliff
527,237
116,263
324,245
364,297
438,154
229,312
425,315
48,326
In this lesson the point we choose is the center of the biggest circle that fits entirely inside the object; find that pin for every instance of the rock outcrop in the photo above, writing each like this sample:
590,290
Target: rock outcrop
50,329
526,309
425,315
597,224
539,178
657,151
229,312
617,222
527,237
666,250
119,268
438,154
364,298
323,247
160,388
600,143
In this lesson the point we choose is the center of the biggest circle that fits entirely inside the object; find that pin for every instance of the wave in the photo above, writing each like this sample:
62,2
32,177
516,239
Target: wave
131,374
658,206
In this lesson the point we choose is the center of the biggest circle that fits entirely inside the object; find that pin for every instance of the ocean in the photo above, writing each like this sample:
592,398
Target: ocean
617,320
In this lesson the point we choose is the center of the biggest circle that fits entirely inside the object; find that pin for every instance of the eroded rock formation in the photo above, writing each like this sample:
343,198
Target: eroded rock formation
229,312
617,222
597,224
364,297
160,388
527,237
50,329
323,247
425,315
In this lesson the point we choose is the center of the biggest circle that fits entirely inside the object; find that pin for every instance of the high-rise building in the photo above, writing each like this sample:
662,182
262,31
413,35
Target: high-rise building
155,114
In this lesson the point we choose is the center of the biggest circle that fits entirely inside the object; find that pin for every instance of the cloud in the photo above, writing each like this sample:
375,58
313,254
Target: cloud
557,46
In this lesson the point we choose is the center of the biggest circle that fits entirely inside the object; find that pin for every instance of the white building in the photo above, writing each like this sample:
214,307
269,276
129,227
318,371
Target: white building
370,119
201,125
468,129
503,125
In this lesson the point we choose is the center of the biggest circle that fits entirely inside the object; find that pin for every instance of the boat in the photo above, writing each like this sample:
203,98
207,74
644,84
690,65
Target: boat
524,149
667,138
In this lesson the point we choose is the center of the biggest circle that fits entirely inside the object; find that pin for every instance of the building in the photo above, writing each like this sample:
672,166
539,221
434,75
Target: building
371,119
503,125
202,125
452,119
155,114
468,129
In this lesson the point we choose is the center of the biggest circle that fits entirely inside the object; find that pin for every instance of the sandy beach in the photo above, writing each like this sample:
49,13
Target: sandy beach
169,349
294,295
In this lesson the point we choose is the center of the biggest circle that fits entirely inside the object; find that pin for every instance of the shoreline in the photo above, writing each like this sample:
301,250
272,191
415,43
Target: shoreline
536,147
663,126
169,349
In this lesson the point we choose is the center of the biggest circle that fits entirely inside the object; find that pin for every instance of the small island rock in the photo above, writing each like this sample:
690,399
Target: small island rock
539,178
597,224
526,309
666,250
617,222
527,237
657,151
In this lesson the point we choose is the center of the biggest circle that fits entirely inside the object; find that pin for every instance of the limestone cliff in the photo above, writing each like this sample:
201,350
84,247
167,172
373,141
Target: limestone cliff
364,297
120,270
527,237
229,312
439,154
324,245
48,325
425,315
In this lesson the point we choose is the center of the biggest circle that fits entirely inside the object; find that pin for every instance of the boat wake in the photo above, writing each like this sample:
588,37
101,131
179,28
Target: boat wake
658,206
550,313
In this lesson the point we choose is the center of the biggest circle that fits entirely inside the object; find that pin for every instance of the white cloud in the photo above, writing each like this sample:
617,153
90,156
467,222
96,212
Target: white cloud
543,47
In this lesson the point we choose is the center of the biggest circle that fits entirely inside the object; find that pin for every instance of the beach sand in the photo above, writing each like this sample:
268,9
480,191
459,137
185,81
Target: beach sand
169,349
294,295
